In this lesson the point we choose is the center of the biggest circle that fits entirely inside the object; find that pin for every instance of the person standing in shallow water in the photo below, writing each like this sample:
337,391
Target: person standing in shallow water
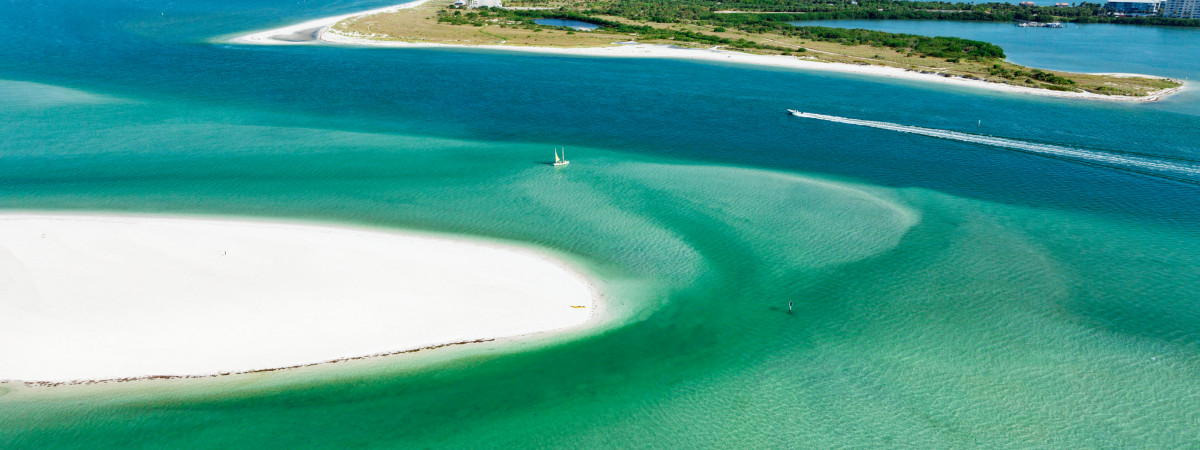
789,306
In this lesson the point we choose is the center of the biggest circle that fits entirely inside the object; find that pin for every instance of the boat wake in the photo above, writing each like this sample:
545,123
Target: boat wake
1180,170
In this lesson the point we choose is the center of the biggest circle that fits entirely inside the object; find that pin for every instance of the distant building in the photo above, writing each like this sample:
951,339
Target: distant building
1181,9
1061,5
1028,3
486,4
1133,8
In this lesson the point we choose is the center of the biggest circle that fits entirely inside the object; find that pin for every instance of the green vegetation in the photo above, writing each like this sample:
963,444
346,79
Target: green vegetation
525,19
697,23
1034,74
937,47
711,11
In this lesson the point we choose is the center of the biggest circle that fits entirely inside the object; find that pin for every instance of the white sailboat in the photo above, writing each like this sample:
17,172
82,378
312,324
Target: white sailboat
560,161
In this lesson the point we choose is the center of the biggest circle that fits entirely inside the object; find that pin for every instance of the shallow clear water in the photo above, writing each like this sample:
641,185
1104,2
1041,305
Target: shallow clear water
576,24
947,293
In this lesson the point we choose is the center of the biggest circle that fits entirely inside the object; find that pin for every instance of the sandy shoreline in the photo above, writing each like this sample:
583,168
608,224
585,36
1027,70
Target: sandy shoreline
103,297
319,31
308,32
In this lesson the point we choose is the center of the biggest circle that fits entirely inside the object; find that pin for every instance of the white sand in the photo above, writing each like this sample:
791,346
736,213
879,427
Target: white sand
321,28
284,35
88,297
790,62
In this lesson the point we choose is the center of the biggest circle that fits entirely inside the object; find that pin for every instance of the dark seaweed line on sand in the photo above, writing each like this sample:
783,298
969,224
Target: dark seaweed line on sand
221,374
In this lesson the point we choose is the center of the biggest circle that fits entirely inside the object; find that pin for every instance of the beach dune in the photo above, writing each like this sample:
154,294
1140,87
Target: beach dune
90,297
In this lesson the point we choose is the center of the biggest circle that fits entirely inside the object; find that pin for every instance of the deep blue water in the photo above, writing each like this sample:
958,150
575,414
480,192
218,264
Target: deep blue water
683,109
1088,48
1075,48
1082,269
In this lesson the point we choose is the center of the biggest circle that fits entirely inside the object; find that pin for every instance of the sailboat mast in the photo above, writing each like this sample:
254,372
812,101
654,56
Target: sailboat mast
560,159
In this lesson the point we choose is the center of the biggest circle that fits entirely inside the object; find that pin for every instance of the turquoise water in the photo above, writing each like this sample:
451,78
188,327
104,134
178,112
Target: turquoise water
947,293
576,24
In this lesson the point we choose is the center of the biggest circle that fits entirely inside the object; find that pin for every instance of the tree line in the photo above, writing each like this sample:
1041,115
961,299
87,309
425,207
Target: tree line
705,11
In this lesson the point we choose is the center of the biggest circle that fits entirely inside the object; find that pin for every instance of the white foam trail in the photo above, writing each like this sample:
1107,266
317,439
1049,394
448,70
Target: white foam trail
1122,161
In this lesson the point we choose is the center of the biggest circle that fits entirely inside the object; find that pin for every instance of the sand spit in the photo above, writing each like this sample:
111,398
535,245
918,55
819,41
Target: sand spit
99,297
308,32
633,50
320,31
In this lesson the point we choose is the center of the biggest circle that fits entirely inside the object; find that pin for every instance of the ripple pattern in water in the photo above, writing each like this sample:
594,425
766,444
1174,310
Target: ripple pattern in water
944,298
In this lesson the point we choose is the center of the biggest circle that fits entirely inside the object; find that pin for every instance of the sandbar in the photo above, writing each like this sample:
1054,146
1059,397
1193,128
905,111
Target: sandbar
308,32
103,297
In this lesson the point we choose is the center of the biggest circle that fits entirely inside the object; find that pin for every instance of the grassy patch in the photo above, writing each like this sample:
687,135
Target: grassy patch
439,22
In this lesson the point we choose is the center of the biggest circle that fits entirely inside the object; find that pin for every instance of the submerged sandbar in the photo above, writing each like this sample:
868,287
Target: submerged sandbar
92,297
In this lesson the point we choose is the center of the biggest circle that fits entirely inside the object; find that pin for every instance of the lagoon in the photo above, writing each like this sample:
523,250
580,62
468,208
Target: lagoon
1090,48
1075,48
575,24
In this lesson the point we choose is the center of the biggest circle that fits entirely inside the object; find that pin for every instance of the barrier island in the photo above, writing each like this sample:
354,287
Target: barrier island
739,30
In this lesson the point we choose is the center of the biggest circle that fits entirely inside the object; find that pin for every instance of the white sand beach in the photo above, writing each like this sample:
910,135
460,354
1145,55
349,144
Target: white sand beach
321,31
308,32
94,297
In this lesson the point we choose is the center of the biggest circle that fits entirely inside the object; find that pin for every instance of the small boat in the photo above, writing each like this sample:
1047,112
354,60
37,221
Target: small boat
1041,24
560,161
795,113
